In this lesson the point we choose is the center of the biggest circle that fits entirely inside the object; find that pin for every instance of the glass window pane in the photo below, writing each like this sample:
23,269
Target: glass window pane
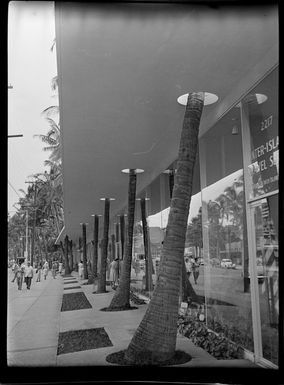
226,282
262,111
265,217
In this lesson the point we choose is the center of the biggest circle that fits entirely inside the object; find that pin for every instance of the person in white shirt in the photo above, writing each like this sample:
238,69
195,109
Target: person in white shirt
60,267
80,270
29,273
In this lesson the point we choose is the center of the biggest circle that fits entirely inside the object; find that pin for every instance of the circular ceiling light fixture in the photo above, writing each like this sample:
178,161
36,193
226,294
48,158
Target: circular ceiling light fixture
259,98
253,98
208,99
137,170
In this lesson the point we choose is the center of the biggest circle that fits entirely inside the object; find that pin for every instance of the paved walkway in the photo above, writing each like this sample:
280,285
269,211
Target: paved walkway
35,321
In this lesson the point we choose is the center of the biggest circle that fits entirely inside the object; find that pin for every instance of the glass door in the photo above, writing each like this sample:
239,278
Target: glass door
259,123
264,215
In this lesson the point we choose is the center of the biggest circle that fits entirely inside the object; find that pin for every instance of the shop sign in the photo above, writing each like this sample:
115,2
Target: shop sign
264,154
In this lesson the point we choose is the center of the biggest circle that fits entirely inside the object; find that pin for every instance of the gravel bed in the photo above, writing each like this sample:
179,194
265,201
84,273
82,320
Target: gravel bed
79,340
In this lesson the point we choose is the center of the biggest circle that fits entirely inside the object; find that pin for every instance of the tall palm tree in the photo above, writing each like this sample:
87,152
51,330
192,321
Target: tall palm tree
148,258
121,298
84,240
155,339
102,274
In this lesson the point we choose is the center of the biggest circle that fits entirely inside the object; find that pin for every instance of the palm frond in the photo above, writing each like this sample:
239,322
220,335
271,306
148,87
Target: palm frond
49,111
53,45
47,139
54,83
53,125
48,148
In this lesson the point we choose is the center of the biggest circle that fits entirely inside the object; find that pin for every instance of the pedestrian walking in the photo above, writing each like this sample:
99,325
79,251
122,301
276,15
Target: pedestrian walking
188,267
38,271
113,274
60,267
29,273
53,269
195,270
80,270
20,275
45,269
15,268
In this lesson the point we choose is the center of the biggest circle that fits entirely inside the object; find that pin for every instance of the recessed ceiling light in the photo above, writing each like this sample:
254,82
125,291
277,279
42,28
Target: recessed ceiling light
137,170
251,98
103,199
208,99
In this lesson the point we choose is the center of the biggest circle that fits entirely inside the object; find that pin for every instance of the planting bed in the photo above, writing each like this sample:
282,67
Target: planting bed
72,287
75,301
79,340
179,358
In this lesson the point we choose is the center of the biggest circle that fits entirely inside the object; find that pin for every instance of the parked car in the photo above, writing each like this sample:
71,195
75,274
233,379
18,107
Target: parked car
227,264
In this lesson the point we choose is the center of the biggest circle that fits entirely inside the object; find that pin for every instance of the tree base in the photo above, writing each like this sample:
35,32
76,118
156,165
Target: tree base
100,292
145,359
120,308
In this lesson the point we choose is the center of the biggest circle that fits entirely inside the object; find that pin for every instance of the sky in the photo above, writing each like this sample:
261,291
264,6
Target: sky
31,66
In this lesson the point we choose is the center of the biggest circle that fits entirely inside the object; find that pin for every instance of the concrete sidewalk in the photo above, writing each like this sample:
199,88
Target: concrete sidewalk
35,321
120,327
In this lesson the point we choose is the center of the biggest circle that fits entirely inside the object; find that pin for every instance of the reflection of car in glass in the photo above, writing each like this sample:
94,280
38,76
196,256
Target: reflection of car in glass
228,264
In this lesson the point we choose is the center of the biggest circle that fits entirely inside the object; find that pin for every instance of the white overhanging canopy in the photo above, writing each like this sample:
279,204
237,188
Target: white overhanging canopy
121,68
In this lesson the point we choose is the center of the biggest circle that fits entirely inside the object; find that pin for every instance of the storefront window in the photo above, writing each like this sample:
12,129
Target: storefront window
225,253
260,128
261,111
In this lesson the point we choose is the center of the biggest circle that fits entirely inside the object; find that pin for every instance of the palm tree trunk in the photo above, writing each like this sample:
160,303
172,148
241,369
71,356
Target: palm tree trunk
148,259
33,228
71,255
187,289
122,233
96,243
121,298
102,276
84,251
112,247
155,339
66,247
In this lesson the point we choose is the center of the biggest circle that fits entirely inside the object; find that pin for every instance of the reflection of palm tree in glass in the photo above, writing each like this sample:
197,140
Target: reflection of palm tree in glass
226,212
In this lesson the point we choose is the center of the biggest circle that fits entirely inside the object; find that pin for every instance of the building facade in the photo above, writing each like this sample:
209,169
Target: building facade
120,111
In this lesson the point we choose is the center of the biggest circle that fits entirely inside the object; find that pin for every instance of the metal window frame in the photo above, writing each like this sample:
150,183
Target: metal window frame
250,205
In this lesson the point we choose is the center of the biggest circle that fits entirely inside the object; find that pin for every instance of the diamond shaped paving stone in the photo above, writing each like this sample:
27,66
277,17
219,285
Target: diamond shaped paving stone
75,301
78,340
72,287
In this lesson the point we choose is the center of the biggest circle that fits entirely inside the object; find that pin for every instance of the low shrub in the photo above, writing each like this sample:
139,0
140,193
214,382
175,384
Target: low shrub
217,345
